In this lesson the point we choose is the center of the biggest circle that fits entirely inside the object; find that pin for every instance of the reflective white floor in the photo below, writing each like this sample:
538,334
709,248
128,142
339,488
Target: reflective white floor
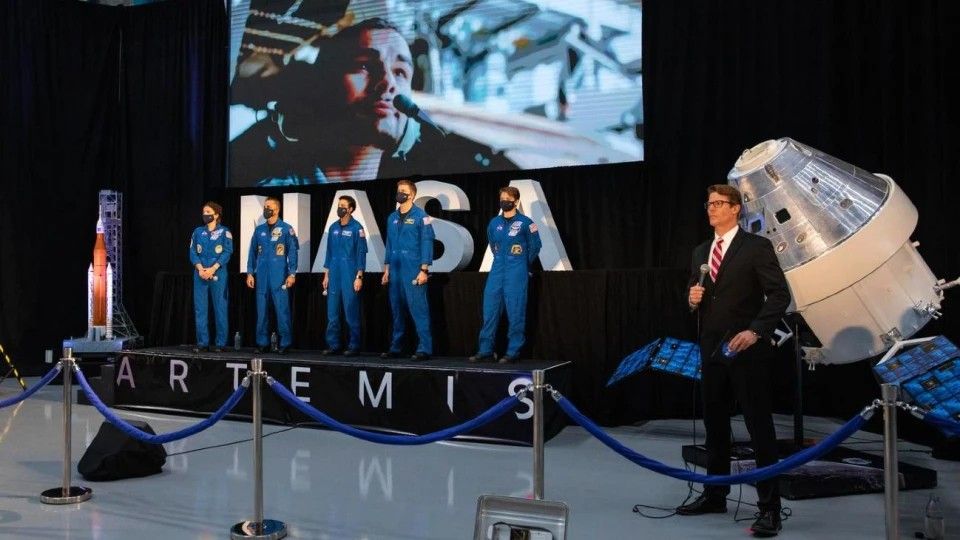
327,486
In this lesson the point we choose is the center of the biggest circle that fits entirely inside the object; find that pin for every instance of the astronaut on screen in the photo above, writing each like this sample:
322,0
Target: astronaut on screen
335,120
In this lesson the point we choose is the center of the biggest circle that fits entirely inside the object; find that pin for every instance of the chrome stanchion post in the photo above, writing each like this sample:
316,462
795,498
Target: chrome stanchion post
538,434
67,494
891,477
258,528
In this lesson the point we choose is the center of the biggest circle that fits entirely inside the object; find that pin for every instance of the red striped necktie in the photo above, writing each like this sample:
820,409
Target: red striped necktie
716,257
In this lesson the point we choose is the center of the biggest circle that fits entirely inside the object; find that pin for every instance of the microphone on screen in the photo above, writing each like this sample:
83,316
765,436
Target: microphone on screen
406,105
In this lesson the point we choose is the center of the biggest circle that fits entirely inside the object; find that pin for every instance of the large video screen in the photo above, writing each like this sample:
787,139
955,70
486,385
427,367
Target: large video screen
339,90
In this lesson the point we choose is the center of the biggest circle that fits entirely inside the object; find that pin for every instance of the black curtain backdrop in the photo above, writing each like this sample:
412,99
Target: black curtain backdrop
871,82
97,97
135,98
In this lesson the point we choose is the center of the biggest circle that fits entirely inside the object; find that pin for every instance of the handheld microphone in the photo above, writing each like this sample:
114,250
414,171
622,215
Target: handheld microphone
406,105
704,268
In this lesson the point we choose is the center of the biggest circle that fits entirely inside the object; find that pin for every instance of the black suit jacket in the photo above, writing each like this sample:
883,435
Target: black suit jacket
750,293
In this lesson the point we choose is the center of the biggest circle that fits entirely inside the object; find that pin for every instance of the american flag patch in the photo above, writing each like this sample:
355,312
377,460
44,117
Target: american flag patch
533,227
427,220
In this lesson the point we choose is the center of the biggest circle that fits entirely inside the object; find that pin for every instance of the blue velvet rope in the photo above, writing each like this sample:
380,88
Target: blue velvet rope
488,416
45,380
952,427
136,433
755,475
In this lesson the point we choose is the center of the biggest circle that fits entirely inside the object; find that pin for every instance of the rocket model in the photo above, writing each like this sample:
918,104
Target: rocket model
109,328
99,293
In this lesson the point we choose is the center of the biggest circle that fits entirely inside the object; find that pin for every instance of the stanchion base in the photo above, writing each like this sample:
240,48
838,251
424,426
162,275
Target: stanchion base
77,494
271,530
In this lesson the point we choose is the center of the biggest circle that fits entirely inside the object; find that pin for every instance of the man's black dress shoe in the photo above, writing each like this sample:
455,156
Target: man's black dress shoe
389,354
283,350
507,359
199,349
330,352
349,352
768,524
420,356
704,504
481,358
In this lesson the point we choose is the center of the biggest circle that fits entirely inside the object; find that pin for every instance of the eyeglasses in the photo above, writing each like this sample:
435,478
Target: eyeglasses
716,204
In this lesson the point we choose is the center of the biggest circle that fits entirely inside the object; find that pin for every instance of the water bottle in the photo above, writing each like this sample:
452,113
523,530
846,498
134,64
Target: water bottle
273,342
933,519
236,341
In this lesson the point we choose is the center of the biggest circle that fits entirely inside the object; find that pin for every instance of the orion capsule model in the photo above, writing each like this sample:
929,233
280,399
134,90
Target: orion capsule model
842,236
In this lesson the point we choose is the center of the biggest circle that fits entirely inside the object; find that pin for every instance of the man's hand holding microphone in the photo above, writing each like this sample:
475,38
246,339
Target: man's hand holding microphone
696,292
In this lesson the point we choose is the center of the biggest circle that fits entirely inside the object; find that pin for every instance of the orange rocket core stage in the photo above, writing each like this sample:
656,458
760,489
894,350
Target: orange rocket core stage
100,280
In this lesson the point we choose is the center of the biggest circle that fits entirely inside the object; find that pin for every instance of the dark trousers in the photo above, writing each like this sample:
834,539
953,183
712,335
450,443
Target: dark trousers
745,379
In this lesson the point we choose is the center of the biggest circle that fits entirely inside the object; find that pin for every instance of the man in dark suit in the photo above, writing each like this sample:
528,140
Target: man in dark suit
739,302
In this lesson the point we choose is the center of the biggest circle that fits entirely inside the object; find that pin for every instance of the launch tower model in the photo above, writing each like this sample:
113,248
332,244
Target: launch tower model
109,328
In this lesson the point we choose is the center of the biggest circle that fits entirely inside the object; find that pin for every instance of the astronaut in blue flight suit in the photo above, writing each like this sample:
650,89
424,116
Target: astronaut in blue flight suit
345,261
515,243
210,247
409,253
272,270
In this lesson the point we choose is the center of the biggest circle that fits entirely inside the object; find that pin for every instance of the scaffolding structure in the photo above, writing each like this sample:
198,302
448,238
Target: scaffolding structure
111,207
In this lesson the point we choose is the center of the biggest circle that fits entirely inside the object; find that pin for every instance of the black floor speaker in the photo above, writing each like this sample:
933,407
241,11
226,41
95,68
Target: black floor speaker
114,455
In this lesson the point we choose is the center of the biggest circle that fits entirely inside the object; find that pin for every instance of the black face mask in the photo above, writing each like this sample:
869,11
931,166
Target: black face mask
341,212
267,213
207,219
507,206
402,197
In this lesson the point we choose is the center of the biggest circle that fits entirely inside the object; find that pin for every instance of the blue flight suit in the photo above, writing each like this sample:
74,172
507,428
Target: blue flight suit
409,246
207,248
515,244
273,257
346,257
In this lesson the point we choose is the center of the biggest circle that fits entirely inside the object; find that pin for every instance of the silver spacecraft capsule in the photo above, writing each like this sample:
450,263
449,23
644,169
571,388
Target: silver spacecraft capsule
842,236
